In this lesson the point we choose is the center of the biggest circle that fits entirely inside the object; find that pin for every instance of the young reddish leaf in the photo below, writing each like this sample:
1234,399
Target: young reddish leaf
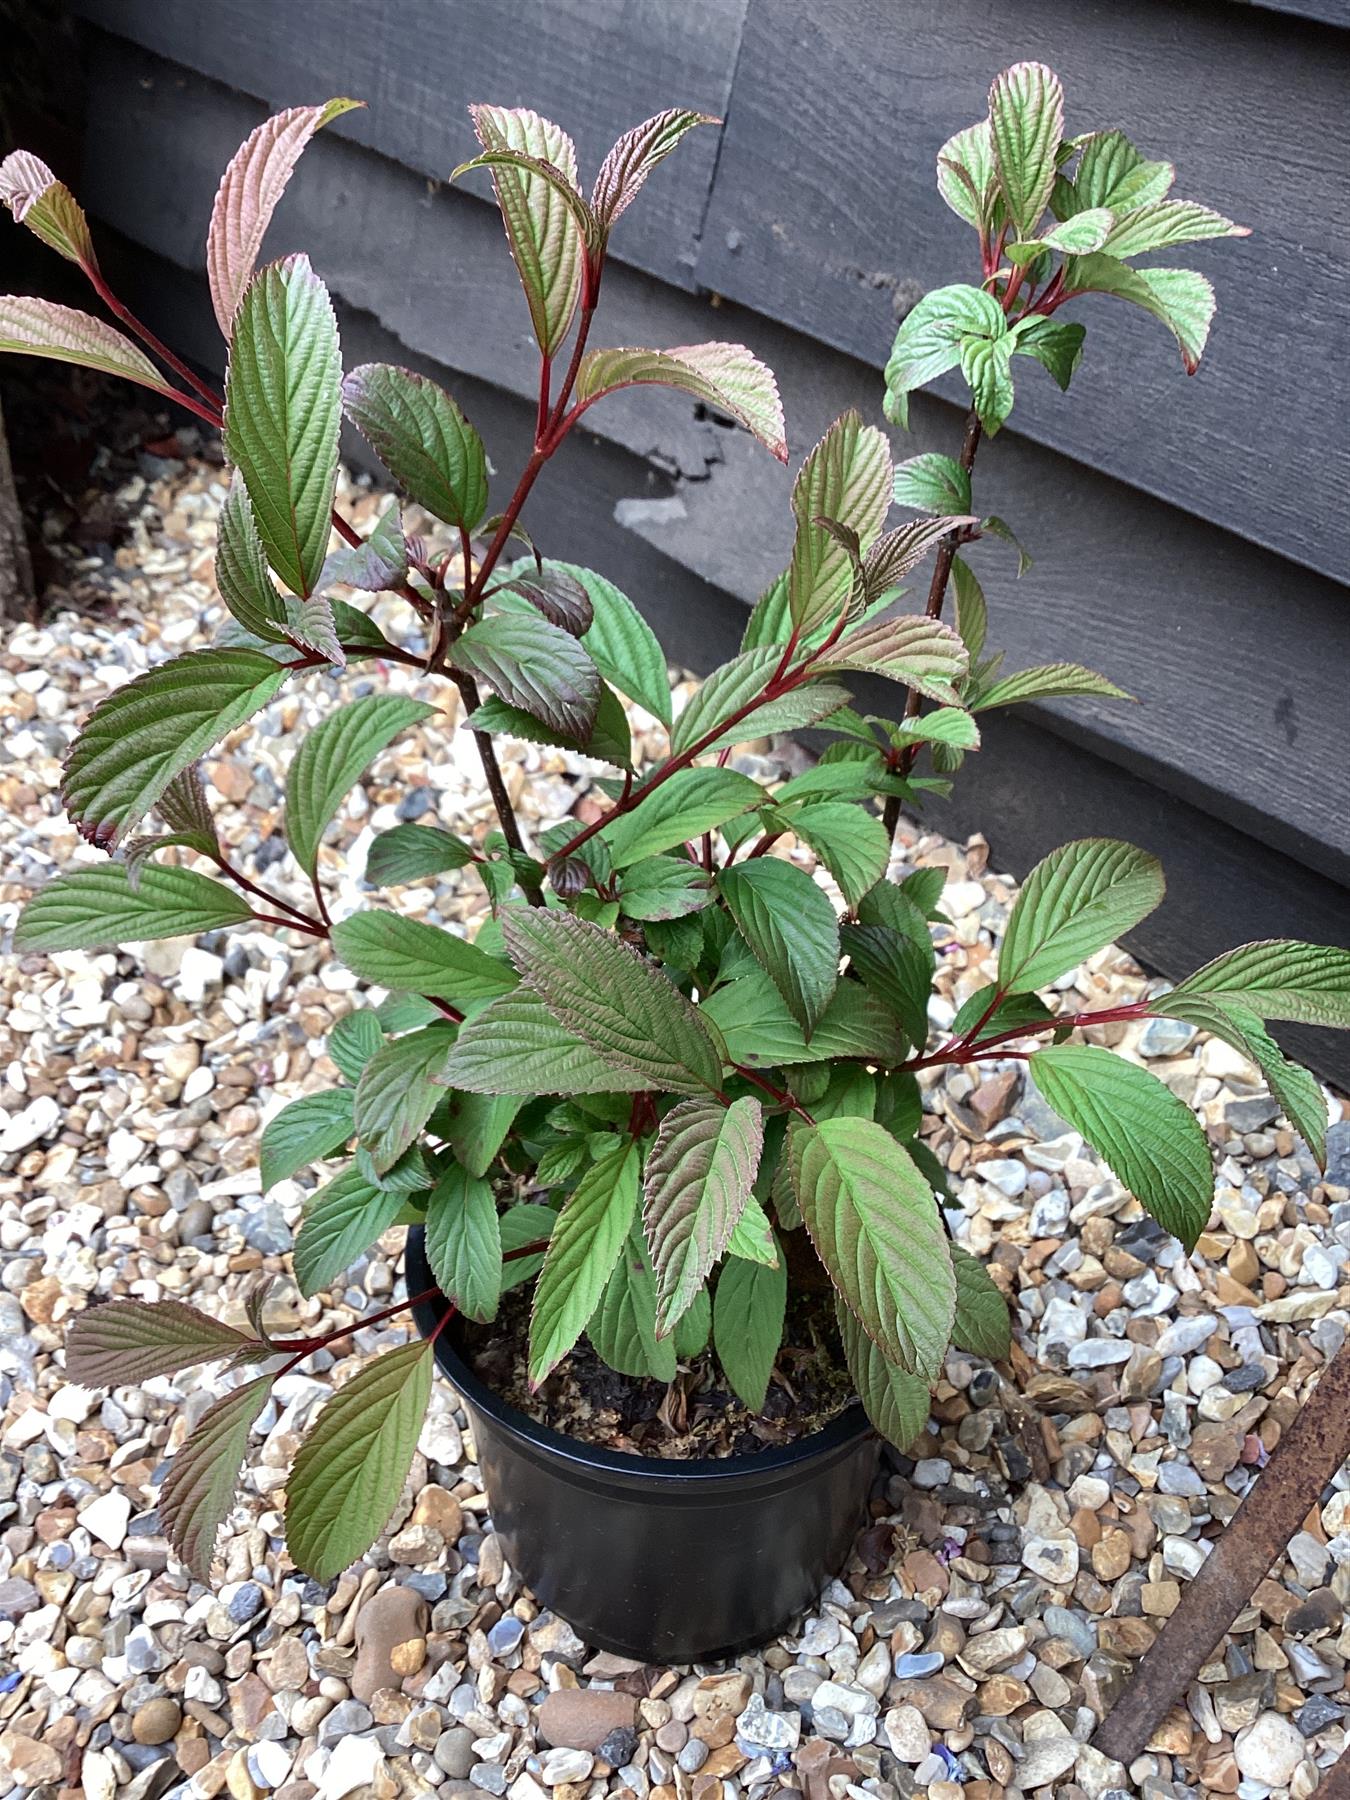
91,907
283,413
350,1470
247,197
47,207
135,742
531,664
922,653
540,168
125,1342
726,377
698,1179
621,1005
892,557
559,596
375,564
546,242
202,1477
422,438
42,328
633,158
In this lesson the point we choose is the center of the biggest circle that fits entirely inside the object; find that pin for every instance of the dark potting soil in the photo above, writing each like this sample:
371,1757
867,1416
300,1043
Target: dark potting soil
697,1415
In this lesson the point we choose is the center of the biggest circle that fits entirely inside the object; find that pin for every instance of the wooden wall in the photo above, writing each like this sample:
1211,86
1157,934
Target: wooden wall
1191,537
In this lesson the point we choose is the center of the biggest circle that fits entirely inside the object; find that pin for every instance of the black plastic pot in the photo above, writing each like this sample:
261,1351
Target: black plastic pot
669,1562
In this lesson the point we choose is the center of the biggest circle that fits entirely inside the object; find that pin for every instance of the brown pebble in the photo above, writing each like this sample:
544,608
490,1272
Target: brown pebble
156,1721
582,1718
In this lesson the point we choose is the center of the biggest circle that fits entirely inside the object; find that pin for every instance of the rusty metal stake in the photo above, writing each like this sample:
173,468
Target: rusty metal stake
1305,1459
1335,1784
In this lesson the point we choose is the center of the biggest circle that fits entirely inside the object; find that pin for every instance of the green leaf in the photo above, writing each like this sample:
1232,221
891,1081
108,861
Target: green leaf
408,852
760,1033
664,887
892,557
848,479
1161,223
1279,978
540,226
1077,900
350,1470
932,483
422,438
922,653
853,844
1051,681
875,1226
145,733
341,1220
619,1004
691,802
332,758
987,366
790,926
247,197
476,1125
582,1251
242,575
698,1179
731,695
748,1310
411,1174
1181,298
464,1242
724,376
982,1324
635,155
95,906
949,725
397,952
896,970
1026,1011
1056,344
898,1404
46,206
1076,236
609,741
516,1046
1112,173
304,1132
752,1238
397,1094
353,1041
200,1485
966,178
904,905
533,665
972,614
694,1330
124,1343
623,1326
1026,120
899,1104
521,1225
1147,1137
621,643
928,342
1298,1092
42,328
283,413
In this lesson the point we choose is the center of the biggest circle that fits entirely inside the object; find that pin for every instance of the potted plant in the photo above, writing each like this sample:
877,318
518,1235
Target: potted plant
663,1113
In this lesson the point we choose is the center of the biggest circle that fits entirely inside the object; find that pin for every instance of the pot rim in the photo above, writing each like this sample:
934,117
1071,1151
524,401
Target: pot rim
830,1443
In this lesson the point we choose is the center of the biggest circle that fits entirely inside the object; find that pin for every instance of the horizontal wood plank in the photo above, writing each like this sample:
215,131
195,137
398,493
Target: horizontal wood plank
1237,658
825,215
596,66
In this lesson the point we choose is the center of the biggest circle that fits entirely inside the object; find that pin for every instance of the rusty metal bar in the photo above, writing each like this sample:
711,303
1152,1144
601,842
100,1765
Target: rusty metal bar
1305,1459
1335,1784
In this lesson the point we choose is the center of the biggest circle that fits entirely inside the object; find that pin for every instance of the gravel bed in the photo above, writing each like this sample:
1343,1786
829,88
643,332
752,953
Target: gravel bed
1009,1578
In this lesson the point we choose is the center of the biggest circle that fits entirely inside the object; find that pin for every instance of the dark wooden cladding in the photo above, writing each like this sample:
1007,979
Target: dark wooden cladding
596,68
1172,522
825,215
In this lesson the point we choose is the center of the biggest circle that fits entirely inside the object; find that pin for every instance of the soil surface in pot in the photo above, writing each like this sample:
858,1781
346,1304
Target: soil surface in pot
697,1415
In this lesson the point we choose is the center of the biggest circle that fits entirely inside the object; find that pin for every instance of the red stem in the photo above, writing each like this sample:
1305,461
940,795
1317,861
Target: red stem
162,351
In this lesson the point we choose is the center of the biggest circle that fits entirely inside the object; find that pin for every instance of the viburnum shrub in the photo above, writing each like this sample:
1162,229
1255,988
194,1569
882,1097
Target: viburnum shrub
671,1049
